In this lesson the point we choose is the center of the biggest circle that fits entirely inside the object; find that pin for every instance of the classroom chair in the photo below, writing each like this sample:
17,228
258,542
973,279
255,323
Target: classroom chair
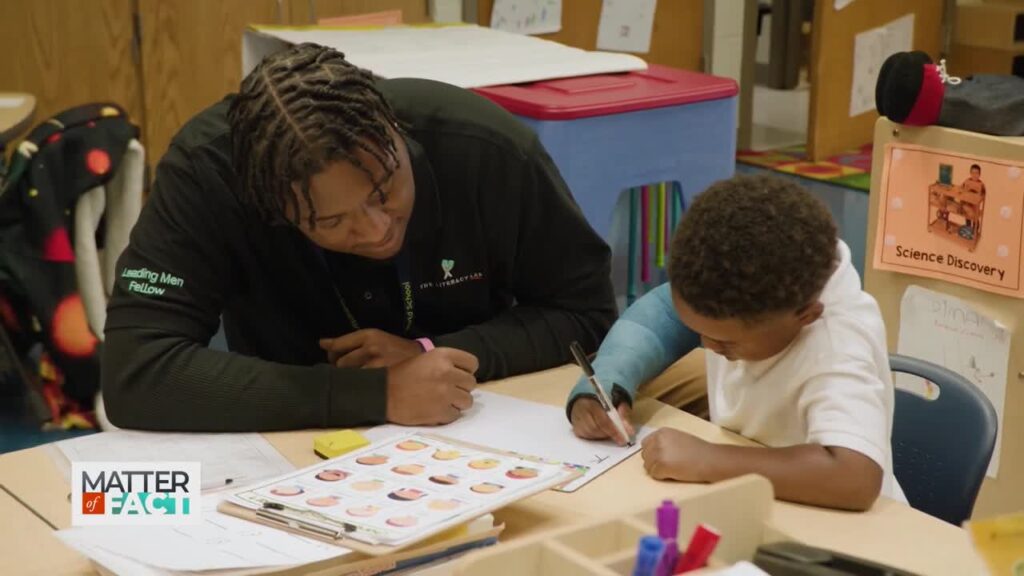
941,448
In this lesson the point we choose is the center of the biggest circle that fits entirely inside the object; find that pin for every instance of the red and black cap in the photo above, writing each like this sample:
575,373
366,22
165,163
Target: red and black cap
909,89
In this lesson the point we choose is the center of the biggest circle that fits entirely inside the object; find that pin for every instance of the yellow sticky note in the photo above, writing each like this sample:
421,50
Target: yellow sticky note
335,444
1000,541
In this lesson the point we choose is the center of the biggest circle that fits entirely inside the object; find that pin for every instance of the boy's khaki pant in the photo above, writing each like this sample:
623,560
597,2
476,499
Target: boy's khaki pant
683,385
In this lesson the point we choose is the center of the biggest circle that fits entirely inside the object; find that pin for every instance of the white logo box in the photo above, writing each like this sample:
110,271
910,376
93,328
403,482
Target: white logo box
136,493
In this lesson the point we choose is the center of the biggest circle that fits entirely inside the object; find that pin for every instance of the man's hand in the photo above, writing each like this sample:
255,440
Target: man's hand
590,422
431,388
369,348
674,455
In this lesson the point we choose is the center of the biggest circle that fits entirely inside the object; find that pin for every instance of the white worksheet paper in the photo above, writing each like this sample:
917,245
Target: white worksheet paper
951,333
240,458
529,428
466,56
626,25
870,49
221,542
527,16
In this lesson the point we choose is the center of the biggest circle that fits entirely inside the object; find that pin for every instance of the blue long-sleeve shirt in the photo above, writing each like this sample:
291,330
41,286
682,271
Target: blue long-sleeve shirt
643,343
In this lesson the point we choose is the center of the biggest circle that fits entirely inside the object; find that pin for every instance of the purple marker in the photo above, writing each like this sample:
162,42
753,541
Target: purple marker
668,520
668,531
668,558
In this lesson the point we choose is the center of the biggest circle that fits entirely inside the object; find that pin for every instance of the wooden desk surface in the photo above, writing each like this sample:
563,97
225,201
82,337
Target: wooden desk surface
890,532
29,546
958,193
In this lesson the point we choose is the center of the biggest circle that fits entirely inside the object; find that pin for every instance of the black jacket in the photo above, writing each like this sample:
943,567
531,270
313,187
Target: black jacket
501,262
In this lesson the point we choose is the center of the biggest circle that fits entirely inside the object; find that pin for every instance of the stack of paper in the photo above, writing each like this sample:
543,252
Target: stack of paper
220,542
466,56
226,459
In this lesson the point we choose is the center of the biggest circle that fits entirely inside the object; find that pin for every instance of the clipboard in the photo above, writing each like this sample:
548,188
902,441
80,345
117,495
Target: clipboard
362,538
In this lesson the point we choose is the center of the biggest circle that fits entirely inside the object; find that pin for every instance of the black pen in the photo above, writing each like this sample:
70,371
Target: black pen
602,396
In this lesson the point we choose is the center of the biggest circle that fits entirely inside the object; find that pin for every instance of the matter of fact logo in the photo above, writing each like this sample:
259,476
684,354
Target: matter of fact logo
140,493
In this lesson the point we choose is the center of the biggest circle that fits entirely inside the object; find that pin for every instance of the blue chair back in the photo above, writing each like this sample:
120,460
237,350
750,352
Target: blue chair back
941,448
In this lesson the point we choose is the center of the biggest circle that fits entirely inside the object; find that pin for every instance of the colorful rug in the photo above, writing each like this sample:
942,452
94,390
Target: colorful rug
851,169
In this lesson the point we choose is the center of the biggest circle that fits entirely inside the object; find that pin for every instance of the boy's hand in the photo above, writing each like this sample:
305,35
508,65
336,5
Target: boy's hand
674,455
369,348
590,422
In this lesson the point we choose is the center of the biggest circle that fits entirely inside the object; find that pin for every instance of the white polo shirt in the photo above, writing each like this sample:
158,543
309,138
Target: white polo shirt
832,386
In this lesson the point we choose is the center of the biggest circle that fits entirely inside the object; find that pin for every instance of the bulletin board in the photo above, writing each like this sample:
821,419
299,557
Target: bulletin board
677,38
1003,493
831,129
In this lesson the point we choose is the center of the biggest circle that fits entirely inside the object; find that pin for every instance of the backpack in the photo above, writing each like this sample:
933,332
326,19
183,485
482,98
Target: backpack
72,193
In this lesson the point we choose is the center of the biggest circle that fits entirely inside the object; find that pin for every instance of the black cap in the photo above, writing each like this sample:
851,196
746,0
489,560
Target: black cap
899,83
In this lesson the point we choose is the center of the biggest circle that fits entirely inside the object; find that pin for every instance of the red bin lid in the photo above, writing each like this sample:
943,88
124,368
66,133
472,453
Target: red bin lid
604,94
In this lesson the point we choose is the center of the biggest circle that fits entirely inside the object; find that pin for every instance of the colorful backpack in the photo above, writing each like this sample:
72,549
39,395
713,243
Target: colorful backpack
71,196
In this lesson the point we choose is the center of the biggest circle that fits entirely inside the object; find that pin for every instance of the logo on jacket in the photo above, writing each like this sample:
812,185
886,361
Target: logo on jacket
449,279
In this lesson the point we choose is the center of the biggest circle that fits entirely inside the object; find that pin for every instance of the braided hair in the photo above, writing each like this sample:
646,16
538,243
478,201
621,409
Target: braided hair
297,112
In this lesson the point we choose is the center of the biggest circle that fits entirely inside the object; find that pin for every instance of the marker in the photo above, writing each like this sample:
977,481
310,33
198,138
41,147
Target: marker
668,520
648,554
669,558
602,396
702,544
668,531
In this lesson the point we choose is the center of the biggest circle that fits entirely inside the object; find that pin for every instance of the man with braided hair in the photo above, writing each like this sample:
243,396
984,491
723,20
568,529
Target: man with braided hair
372,247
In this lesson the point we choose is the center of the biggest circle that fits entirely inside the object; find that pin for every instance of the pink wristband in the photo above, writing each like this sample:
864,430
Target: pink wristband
426,344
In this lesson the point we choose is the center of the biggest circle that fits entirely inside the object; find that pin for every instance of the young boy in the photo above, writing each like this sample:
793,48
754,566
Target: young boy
973,184
796,351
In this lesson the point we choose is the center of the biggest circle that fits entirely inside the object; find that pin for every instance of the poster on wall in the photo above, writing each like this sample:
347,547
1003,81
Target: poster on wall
953,333
952,217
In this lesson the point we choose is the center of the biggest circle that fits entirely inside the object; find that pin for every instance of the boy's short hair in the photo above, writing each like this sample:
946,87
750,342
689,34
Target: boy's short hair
750,246
975,167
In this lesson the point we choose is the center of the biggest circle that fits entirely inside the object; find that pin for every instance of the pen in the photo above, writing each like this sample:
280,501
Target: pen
216,483
602,396
277,512
268,513
702,544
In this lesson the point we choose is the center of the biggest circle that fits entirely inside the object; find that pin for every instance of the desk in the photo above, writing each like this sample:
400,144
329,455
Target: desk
966,203
28,546
890,532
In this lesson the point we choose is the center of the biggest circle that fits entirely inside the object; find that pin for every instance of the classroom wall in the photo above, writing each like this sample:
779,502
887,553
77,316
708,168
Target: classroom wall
162,60
831,128
677,38
66,56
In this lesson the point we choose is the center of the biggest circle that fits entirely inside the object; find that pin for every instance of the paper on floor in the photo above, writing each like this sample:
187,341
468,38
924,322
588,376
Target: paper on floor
528,428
